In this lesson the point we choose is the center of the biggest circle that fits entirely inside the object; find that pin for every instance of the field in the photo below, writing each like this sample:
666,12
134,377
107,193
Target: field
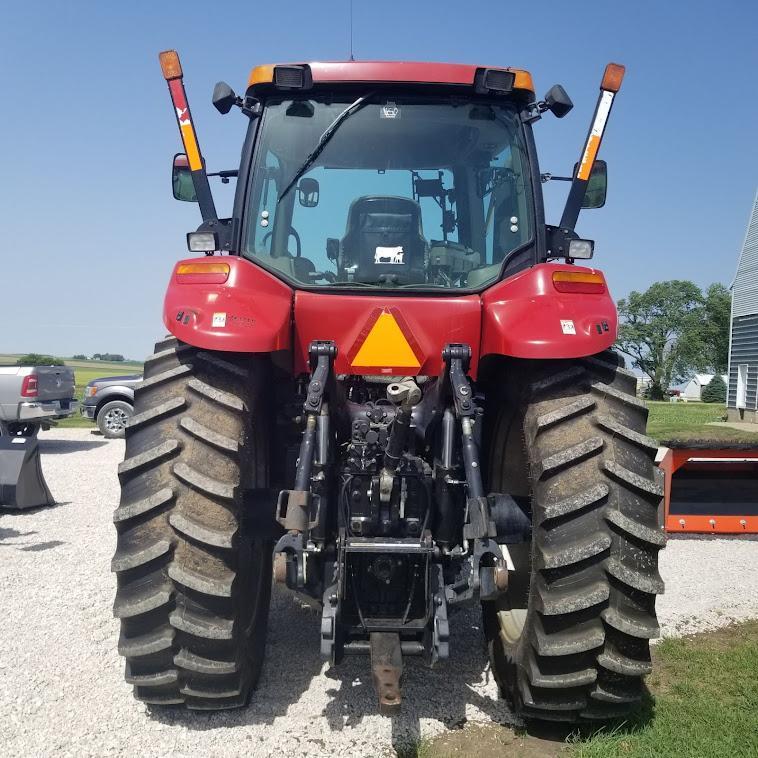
85,372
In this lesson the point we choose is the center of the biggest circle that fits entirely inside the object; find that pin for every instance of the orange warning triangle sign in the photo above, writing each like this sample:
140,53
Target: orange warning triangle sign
386,345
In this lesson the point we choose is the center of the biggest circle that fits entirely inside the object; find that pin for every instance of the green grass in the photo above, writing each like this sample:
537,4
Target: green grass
85,372
687,421
704,702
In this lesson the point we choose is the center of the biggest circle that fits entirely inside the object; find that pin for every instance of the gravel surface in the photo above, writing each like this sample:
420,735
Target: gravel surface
61,679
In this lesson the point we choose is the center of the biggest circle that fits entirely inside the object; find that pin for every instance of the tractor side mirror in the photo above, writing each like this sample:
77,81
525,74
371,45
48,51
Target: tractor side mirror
597,186
557,101
181,179
223,98
307,192
332,249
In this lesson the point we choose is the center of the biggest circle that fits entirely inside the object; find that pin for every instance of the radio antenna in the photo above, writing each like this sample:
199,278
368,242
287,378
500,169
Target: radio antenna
351,31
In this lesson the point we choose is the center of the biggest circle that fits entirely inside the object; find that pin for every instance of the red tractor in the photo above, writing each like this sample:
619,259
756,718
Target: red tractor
388,381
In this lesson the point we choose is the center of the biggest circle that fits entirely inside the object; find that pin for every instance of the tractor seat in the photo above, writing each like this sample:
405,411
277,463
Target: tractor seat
383,241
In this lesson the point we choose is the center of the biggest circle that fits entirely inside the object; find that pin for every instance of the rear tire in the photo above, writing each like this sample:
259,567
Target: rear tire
571,642
193,590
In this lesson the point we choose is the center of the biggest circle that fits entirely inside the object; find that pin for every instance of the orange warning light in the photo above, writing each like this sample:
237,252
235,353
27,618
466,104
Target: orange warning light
386,347
170,65
613,76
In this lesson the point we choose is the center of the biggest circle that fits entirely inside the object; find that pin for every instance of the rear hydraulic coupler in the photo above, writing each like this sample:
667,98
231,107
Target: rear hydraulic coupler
405,395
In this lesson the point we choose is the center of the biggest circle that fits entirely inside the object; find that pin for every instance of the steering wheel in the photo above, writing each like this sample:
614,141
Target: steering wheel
292,233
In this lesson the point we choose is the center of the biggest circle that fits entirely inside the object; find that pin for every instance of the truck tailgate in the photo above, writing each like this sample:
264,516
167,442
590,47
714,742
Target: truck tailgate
54,382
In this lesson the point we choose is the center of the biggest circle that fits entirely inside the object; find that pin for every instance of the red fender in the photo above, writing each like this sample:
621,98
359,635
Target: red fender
249,312
526,317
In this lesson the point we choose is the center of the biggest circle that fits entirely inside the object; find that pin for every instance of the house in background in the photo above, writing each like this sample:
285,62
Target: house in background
742,397
693,390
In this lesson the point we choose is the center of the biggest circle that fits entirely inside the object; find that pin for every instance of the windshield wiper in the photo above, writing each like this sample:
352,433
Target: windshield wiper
324,140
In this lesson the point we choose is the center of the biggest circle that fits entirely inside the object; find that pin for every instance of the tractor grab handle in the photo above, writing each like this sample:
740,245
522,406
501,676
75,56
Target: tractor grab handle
610,85
172,72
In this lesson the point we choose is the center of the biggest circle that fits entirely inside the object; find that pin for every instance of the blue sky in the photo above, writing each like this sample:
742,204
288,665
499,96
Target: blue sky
91,230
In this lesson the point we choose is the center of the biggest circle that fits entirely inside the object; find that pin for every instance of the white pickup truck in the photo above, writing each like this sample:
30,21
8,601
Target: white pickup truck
33,395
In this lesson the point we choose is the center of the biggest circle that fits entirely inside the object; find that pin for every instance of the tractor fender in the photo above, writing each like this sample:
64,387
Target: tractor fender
525,316
249,312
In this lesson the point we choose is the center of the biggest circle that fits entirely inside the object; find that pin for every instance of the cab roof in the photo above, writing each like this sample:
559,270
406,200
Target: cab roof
346,72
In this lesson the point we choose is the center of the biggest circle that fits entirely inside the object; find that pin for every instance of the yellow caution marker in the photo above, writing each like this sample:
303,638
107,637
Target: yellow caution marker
385,346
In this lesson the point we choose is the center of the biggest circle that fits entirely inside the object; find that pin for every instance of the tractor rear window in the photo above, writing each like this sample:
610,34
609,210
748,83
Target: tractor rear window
388,192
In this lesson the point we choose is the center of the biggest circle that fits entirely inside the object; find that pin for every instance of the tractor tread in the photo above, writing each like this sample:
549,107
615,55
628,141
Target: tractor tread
213,536
578,502
151,679
635,578
568,457
203,433
634,480
164,409
154,641
580,549
546,420
125,559
145,505
222,398
203,482
218,587
224,365
607,390
556,602
635,625
186,659
163,377
148,458
651,535
641,440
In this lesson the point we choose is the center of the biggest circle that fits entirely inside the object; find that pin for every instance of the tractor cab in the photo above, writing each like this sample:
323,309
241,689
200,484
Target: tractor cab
389,189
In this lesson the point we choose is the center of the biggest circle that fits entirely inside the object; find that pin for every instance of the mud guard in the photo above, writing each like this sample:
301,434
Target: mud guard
249,312
525,316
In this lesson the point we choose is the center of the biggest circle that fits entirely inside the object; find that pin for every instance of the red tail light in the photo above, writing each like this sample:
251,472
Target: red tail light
579,282
30,386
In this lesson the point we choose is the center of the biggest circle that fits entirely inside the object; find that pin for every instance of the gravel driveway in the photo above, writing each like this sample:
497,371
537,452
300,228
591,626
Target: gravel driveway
61,685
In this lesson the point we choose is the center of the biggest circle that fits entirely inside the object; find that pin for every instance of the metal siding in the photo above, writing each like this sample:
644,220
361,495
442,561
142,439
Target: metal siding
745,288
744,350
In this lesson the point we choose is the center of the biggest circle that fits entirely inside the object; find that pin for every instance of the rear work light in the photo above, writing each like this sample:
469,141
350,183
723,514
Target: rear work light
212,272
30,386
580,282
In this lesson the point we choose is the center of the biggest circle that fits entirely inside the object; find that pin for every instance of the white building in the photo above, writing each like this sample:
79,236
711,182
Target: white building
694,388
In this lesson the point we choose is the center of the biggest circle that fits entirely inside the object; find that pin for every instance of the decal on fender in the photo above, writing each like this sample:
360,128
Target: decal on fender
567,326
219,319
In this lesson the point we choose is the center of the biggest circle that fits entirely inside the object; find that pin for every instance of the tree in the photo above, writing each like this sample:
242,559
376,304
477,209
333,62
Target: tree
659,331
715,331
36,359
79,357
714,391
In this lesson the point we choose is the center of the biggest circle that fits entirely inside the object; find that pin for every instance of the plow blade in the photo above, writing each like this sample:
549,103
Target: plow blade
22,484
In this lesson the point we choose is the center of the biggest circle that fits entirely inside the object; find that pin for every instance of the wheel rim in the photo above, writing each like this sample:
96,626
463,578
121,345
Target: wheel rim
115,420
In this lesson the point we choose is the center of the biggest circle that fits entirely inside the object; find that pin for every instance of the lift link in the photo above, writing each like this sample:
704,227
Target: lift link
298,510
482,572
